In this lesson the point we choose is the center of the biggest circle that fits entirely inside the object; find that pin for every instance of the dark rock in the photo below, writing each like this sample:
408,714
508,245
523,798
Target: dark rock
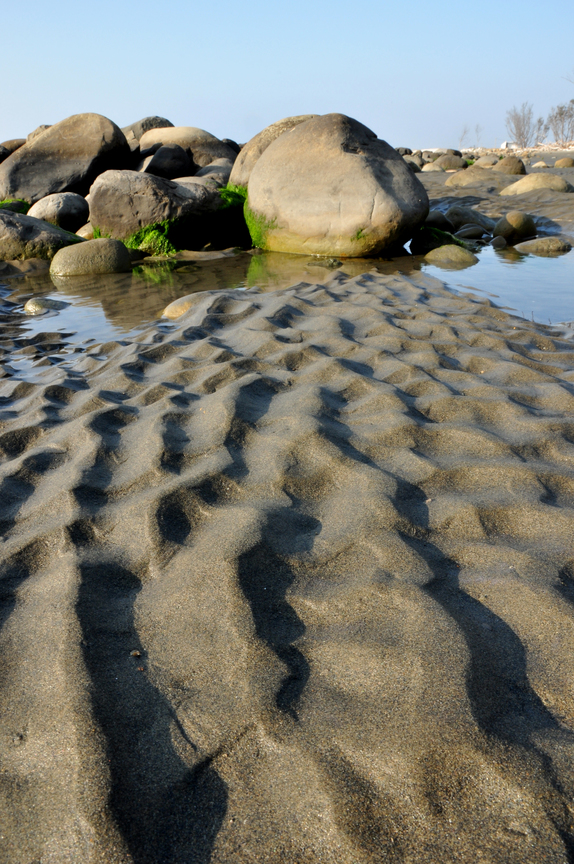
25,237
67,157
459,216
13,144
231,143
202,146
404,151
4,153
168,161
515,226
451,162
470,232
65,209
451,152
436,219
136,130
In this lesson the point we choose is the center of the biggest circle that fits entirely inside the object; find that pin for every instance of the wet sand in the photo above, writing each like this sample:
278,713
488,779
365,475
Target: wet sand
292,581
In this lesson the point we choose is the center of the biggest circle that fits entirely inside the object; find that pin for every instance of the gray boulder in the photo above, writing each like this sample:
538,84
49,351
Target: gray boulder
510,165
437,219
168,161
91,257
219,168
451,162
203,146
25,237
140,127
251,152
413,165
124,202
65,209
67,157
486,161
331,187
4,152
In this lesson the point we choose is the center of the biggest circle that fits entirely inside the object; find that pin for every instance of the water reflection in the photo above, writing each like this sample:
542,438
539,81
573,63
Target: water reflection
107,307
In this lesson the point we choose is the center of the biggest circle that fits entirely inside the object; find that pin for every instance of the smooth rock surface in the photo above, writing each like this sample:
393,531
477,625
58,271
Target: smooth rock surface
432,166
203,146
91,257
331,187
39,305
537,181
23,236
123,202
13,144
168,161
515,226
470,177
64,158
510,165
251,151
68,210
451,162
460,215
451,256
544,246
140,127
566,162
486,161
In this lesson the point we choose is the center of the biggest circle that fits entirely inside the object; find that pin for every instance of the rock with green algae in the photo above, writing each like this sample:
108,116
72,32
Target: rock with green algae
451,257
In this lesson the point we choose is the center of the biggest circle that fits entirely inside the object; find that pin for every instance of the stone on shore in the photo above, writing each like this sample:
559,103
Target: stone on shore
432,166
458,215
450,162
124,202
23,237
39,305
67,210
140,127
93,257
168,161
203,146
515,226
510,165
451,256
470,177
486,161
544,247
566,162
67,157
331,187
251,152
536,181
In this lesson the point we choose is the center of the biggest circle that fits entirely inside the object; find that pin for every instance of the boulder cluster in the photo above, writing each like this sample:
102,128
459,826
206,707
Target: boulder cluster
310,184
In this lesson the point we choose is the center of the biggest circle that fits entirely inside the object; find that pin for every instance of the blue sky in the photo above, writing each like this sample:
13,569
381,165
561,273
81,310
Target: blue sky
416,72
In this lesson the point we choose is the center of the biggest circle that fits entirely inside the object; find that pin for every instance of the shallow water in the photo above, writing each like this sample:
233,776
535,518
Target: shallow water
106,308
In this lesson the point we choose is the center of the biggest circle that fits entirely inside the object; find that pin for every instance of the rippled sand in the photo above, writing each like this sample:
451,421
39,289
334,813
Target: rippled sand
293,582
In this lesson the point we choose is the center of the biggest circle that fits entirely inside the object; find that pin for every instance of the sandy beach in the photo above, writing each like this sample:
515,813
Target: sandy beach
292,581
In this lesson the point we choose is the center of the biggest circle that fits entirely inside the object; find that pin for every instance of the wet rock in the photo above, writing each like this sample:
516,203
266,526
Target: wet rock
515,226
64,158
251,151
90,258
460,215
437,219
331,187
65,209
25,237
537,181
510,165
451,256
498,243
566,162
123,202
544,247
470,232
203,146
39,305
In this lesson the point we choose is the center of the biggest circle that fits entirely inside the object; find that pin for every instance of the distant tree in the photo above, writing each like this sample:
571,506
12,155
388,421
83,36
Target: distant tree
463,136
561,122
522,127
477,134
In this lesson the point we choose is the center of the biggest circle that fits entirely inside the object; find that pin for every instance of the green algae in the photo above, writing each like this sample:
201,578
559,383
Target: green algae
15,205
232,196
258,226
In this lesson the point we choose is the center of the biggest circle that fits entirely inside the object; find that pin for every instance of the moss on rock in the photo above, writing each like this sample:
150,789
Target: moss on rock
258,226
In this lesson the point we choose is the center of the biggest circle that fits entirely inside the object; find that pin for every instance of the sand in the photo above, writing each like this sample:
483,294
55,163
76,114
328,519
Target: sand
292,580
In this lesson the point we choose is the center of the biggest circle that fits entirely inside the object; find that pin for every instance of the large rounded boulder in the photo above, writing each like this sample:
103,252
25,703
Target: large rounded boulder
24,237
331,187
93,257
65,209
66,157
203,146
251,151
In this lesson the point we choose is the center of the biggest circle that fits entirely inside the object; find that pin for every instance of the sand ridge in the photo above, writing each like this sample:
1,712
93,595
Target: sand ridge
292,580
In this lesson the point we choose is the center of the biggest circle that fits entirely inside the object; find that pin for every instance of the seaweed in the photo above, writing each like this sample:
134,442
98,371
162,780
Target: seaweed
16,205
258,226
232,196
